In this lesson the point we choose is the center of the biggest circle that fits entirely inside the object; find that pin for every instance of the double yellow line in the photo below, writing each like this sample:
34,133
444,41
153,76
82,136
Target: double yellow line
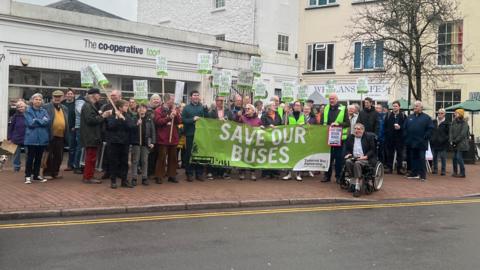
233,213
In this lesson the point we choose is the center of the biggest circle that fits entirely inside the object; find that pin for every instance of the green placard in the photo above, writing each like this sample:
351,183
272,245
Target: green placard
101,79
362,85
260,90
245,79
205,63
302,94
225,83
288,89
86,78
229,144
162,65
216,78
140,90
256,64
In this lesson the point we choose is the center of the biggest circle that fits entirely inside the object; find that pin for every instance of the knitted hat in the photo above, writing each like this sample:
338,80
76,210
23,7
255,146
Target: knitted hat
460,112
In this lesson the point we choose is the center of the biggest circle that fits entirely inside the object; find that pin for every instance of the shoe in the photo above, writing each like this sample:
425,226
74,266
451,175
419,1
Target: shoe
113,185
311,174
209,176
47,177
325,179
200,178
68,169
105,176
435,172
241,176
126,184
15,170
356,193
145,182
253,177
78,171
134,182
39,178
413,177
423,180
57,177
299,178
189,178
442,174
226,176
172,180
459,176
28,180
158,180
287,177
454,174
400,173
91,181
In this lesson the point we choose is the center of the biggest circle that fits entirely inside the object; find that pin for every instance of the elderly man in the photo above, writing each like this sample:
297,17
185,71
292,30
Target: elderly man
58,135
115,95
417,131
335,115
394,140
439,141
353,110
237,107
69,103
360,152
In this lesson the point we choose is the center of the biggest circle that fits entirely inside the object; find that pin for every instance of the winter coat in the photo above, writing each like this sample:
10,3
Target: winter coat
163,124
91,123
459,135
251,121
16,129
227,114
149,134
37,124
440,135
71,113
51,113
79,102
381,126
417,131
118,130
189,112
369,118
368,147
267,120
392,134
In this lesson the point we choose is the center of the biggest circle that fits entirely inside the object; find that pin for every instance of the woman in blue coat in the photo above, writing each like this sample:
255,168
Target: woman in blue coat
37,134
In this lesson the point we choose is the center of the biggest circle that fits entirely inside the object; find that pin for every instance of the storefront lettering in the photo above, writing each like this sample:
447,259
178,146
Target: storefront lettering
116,48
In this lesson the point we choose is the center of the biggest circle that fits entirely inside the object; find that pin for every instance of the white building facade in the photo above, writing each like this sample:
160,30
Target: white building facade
43,49
272,25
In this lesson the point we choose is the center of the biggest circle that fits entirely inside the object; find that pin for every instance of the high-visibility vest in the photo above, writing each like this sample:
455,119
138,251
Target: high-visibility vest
338,120
292,121
280,112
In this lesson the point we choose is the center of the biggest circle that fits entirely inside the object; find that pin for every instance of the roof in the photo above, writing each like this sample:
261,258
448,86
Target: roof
78,6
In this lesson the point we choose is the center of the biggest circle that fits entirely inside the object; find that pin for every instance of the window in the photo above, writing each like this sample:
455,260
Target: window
219,3
450,43
447,98
314,3
320,56
283,43
368,56
220,37
70,80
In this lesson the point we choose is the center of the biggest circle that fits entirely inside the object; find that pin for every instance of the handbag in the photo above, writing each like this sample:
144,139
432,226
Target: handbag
9,147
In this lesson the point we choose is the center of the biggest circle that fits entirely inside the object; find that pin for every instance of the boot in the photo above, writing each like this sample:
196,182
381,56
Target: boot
113,183
145,182
288,176
158,180
172,180
126,184
134,182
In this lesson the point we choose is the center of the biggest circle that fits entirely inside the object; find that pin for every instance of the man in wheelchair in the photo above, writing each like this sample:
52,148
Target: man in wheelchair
361,153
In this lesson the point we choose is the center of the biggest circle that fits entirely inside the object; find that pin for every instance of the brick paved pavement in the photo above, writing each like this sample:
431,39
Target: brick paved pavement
71,193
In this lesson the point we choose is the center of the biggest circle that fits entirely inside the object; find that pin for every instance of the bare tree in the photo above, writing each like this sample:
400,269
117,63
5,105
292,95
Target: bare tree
408,29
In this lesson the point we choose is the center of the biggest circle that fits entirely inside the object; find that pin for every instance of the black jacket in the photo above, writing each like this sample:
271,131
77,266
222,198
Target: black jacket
149,134
267,121
91,123
392,134
369,118
118,130
227,114
368,146
440,133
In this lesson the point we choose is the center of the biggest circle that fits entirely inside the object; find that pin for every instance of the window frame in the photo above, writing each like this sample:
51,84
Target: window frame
459,43
317,3
283,45
217,2
375,53
312,57
453,101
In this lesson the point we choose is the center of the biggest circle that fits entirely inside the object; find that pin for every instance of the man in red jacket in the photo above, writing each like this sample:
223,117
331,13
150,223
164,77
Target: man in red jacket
165,117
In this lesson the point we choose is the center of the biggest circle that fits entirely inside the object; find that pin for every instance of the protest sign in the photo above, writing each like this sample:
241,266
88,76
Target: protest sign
362,85
162,66
288,94
230,144
205,63
140,91
86,78
256,64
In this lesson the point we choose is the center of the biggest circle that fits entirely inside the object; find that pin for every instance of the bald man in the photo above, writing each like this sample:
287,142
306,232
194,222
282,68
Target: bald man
335,115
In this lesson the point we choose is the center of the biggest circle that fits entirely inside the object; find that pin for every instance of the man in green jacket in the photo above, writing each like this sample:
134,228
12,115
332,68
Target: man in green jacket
191,113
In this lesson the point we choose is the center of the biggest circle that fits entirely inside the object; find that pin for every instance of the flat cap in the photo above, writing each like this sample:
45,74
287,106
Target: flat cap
57,93
93,91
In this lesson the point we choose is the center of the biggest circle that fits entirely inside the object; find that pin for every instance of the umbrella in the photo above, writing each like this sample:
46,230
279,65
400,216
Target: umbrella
468,105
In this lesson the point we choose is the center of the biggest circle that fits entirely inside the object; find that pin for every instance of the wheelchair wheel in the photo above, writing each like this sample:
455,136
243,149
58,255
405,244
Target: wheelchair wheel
378,176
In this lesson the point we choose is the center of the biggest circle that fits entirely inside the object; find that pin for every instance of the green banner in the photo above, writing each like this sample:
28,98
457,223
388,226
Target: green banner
230,144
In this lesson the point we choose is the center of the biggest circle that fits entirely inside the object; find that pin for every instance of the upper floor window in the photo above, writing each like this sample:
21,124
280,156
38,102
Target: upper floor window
220,37
320,56
450,43
283,43
368,56
314,3
219,3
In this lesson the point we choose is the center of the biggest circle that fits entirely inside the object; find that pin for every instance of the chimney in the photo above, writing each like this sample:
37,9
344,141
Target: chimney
5,6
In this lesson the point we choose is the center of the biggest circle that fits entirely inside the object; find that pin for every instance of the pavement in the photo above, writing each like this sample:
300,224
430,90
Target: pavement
393,236
70,197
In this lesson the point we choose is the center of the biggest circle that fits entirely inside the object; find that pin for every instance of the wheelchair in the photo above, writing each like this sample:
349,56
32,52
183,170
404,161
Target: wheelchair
372,177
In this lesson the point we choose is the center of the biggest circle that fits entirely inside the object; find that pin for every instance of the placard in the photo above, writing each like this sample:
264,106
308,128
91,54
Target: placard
245,79
140,89
216,78
86,78
302,94
101,79
335,136
260,90
330,86
179,88
288,91
256,64
362,85
162,66
205,63
225,83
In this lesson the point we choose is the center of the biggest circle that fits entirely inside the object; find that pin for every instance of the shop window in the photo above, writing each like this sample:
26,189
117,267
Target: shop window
127,84
24,76
50,78
282,43
450,43
447,98
70,80
320,57
368,55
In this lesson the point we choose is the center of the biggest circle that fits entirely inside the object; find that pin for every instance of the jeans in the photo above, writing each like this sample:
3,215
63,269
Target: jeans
78,151
190,168
336,155
34,160
418,162
17,158
442,154
72,148
139,155
458,162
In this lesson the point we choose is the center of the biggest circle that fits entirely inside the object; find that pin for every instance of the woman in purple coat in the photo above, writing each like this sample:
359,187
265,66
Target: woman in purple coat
250,118
16,132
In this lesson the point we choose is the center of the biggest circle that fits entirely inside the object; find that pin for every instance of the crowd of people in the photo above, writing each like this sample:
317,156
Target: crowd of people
149,142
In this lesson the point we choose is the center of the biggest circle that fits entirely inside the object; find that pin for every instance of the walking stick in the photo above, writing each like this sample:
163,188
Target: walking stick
171,130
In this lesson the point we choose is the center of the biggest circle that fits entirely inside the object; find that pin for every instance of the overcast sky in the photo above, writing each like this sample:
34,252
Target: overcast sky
123,8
